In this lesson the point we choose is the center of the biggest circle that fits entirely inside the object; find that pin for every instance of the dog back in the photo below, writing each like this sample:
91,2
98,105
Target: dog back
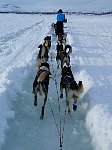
67,77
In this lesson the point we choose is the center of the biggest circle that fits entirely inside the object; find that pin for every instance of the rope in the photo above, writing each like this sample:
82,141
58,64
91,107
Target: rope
50,106
58,106
59,111
61,128
59,132
54,116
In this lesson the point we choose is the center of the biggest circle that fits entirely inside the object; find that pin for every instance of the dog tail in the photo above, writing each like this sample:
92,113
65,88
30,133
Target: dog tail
70,49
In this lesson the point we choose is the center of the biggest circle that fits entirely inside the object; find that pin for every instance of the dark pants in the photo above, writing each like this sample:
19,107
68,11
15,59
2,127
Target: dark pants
59,28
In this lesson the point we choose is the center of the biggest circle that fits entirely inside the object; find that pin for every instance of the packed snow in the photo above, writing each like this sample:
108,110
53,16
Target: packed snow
90,127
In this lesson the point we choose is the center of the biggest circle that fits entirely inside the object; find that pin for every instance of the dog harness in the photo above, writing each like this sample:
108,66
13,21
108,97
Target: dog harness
68,79
44,68
41,69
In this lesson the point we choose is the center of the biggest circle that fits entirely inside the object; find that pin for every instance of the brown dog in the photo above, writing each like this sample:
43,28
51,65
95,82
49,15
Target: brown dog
41,84
44,50
72,89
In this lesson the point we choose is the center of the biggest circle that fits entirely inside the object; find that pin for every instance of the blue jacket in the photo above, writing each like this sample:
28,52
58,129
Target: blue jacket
60,17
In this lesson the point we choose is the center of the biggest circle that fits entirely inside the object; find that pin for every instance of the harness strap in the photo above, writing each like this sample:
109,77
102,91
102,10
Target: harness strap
70,76
67,80
44,68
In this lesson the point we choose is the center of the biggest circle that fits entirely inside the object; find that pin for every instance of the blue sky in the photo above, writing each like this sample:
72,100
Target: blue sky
73,5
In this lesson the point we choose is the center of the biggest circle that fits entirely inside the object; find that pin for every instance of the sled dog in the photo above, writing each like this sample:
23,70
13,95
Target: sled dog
72,89
40,85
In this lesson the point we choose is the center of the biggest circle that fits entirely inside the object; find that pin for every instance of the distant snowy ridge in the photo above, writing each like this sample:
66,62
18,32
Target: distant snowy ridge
10,8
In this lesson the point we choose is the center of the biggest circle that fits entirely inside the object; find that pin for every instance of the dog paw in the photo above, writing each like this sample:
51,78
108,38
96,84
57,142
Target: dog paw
61,95
41,118
69,112
58,67
35,103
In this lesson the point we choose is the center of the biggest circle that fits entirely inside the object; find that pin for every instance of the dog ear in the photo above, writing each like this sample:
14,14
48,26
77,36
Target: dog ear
45,38
50,37
40,46
73,85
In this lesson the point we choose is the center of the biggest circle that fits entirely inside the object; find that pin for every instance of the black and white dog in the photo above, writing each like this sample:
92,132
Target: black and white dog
62,39
44,51
63,54
41,84
72,89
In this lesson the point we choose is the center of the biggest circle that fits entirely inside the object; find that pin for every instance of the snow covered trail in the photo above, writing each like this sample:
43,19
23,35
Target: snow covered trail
91,61
26,130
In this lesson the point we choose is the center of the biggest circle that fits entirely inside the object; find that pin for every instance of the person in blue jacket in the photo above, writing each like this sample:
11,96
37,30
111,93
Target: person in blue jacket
60,20
60,16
